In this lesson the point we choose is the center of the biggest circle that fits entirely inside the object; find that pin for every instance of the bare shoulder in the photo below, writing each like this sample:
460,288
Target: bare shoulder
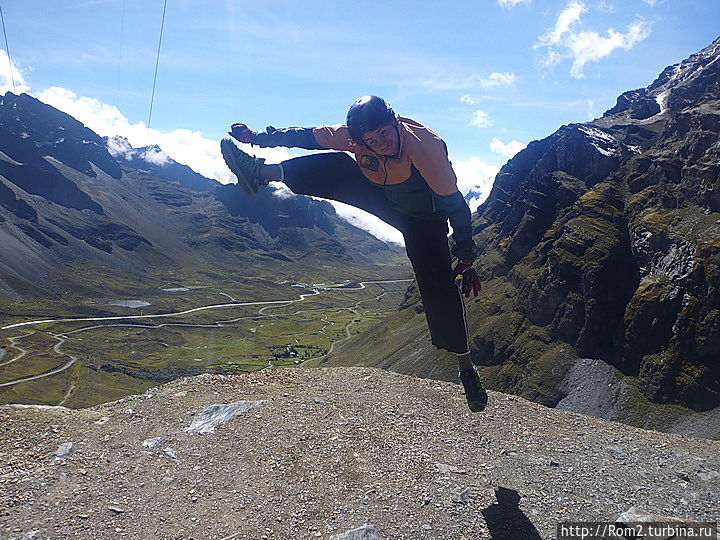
418,132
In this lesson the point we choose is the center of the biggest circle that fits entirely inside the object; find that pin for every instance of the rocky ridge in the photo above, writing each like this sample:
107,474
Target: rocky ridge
314,453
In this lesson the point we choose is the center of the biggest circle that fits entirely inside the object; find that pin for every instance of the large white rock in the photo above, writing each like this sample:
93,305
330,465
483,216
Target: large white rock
364,532
214,415
64,450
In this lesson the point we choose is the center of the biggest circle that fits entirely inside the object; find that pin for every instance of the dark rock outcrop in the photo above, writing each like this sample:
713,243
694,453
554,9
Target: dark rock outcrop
607,234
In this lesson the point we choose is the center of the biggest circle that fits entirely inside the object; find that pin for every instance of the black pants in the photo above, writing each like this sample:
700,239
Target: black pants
338,177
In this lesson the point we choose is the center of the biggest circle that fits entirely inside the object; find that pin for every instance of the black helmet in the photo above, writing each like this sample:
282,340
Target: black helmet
367,114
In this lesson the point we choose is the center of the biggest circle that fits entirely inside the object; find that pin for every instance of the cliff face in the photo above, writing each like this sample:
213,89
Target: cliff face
607,238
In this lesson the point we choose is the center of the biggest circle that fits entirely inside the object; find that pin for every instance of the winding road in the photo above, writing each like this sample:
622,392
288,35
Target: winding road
13,344
56,348
267,305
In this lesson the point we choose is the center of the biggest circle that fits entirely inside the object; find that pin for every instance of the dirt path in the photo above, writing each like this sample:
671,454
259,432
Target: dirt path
67,394
61,339
13,345
42,375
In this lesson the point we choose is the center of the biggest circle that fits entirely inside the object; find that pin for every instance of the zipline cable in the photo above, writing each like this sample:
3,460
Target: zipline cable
157,62
7,50
152,99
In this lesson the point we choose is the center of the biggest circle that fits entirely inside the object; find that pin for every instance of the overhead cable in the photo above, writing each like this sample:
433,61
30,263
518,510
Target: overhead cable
7,50
157,62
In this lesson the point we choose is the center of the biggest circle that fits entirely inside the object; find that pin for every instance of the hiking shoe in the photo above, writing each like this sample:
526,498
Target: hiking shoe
244,166
474,391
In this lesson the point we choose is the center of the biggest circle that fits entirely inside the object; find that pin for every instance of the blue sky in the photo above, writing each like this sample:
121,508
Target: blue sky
489,76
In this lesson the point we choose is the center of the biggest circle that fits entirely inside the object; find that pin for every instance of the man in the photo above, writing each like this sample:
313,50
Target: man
401,173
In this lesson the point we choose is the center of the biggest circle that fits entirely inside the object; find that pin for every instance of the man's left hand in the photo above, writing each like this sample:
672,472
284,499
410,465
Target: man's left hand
470,279
242,133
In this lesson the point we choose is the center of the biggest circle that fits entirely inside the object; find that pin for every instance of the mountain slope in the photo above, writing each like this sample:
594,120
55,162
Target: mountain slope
601,241
71,200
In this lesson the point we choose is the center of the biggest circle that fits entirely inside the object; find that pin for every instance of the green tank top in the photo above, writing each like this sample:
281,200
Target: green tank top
413,197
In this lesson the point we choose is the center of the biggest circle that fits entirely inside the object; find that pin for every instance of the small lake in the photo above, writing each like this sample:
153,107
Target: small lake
2,352
129,303
177,289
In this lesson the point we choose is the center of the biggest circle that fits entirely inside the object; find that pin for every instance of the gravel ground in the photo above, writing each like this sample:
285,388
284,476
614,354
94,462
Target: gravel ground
334,449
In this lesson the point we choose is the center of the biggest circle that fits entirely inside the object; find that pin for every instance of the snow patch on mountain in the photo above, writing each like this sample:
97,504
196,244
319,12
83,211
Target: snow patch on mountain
601,141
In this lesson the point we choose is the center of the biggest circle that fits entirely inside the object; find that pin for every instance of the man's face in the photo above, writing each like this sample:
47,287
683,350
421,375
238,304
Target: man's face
385,140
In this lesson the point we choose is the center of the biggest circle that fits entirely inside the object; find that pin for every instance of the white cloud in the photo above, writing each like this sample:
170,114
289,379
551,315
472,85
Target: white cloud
566,40
506,149
475,175
498,79
493,80
480,119
120,148
651,3
590,46
476,99
183,145
9,72
605,6
590,109
368,222
587,103
156,156
567,17
281,190
511,3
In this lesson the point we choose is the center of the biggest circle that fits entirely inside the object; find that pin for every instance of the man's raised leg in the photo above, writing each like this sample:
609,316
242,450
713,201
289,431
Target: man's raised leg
337,176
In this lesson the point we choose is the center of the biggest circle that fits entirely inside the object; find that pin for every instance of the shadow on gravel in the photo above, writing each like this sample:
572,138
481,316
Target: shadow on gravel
506,521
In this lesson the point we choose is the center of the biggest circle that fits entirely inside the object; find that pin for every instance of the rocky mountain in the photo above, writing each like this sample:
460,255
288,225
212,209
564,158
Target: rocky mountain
338,454
599,247
72,202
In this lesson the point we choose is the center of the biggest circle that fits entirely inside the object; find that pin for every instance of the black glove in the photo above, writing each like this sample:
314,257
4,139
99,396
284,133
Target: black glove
470,279
242,133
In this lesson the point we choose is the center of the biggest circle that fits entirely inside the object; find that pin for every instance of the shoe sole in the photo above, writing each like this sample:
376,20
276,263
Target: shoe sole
476,405
226,149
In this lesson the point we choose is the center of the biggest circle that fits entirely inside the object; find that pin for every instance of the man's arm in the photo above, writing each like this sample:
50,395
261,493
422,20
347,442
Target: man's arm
431,159
458,212
293,137
317,138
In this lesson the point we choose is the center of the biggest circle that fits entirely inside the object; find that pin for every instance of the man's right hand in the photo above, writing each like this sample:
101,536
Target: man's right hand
242,133
470,279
